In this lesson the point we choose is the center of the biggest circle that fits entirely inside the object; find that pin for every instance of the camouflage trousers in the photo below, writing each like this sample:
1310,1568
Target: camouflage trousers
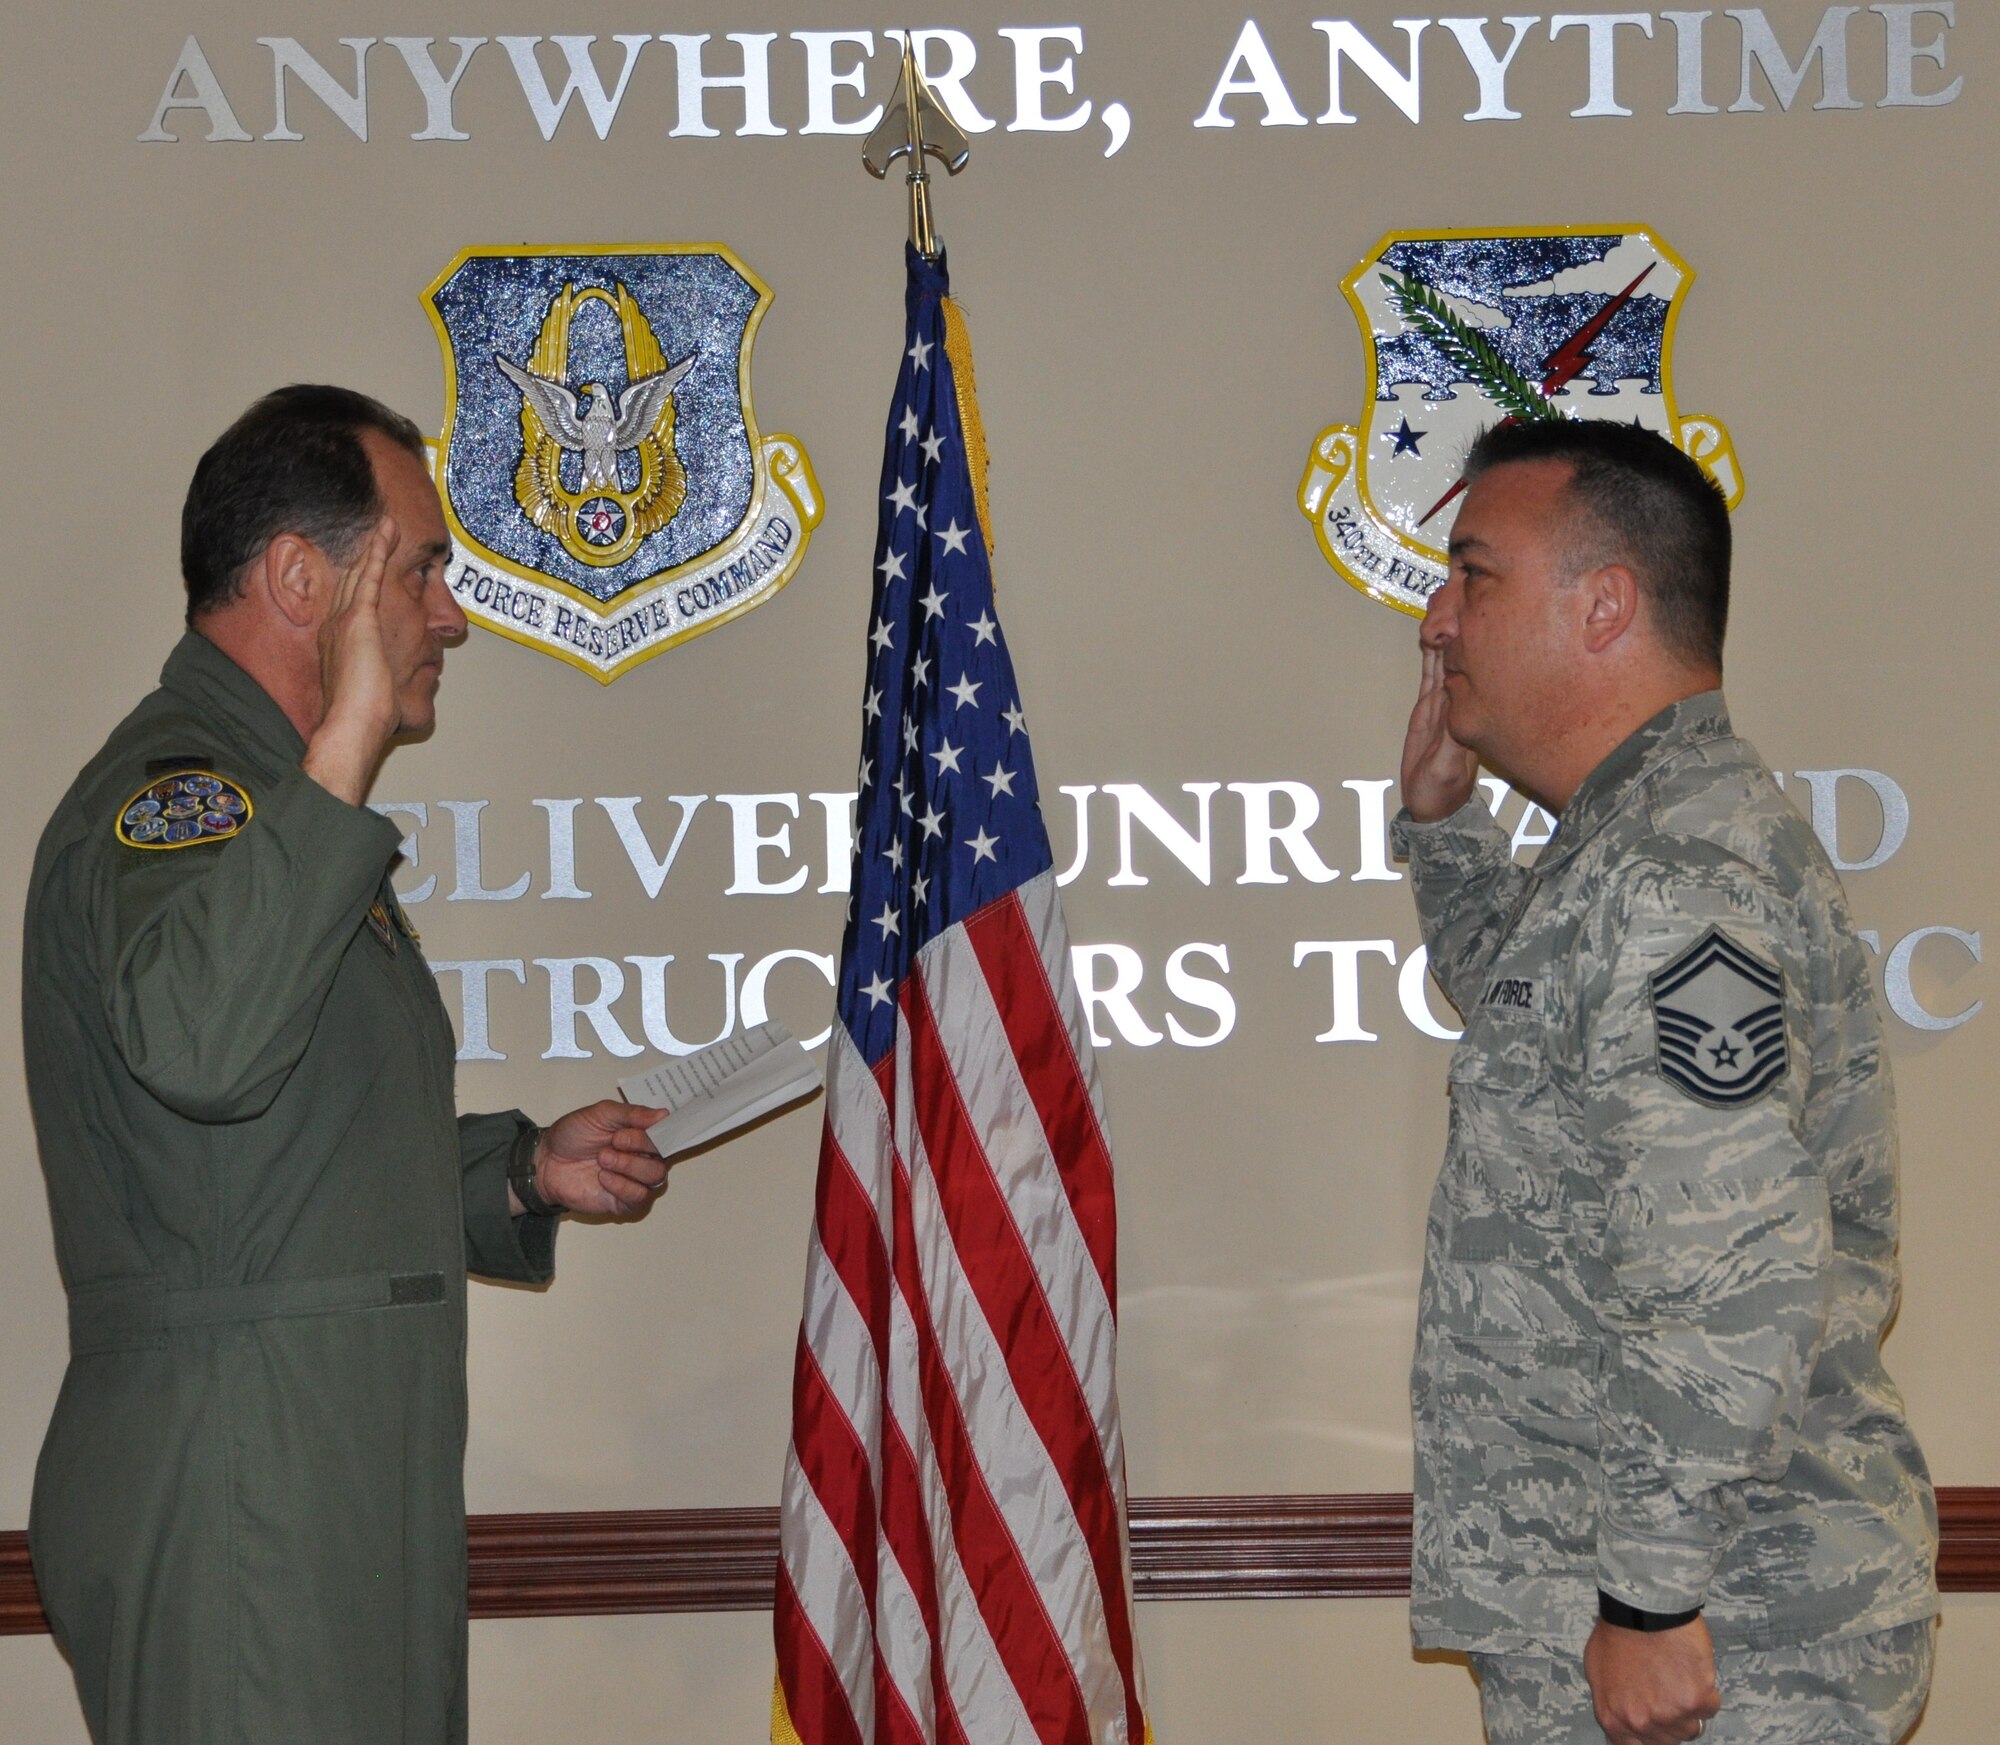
1859,1690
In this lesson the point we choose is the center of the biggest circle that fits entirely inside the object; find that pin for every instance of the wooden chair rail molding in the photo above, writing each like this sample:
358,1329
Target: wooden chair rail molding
1183,1548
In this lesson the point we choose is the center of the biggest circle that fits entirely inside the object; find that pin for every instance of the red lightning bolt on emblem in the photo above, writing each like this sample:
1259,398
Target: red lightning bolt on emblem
1562,366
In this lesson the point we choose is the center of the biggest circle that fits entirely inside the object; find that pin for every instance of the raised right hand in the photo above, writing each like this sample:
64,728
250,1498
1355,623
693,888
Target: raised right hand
1438,772
357,685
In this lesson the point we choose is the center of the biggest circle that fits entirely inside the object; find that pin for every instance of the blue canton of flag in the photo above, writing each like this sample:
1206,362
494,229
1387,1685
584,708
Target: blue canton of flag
949,817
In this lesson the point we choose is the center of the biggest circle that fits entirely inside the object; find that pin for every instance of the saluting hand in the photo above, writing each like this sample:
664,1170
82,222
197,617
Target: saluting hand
600,1159
357,685
1438,772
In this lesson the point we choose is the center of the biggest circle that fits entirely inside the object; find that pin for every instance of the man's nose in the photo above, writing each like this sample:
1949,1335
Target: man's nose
1440,623
447,618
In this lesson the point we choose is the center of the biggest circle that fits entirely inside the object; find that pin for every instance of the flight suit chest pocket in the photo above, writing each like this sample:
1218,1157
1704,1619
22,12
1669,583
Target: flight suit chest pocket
397,1005
1504,1136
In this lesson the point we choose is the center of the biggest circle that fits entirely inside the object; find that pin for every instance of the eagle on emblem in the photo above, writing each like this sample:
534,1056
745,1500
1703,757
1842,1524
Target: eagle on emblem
611,423
600,523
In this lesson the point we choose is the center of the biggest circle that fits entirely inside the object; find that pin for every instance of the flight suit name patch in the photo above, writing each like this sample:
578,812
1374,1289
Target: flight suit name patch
180,810
1719,1016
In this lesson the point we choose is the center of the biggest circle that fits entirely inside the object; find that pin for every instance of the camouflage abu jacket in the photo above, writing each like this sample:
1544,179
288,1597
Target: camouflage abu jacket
1662,1249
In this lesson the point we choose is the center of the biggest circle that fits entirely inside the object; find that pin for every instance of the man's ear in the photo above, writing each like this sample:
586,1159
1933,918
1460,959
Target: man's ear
1611,605
292,572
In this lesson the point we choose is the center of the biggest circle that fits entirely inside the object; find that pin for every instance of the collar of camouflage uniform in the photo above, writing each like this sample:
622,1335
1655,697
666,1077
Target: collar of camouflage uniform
1703,716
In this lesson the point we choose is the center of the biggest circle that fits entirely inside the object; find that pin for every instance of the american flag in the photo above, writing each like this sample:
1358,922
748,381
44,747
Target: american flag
955,1567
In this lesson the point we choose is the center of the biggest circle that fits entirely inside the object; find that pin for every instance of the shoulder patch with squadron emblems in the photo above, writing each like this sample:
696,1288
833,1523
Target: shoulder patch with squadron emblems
608,492
1465,329
180,810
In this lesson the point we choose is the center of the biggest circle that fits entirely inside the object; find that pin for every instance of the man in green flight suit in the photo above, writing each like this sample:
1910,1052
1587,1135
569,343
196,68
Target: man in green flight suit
249,1519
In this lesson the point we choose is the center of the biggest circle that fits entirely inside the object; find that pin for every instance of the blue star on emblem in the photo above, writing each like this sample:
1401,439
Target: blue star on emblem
1406,440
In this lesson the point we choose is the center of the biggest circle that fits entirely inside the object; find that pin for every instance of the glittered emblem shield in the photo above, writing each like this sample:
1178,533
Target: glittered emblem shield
1464,329
608,492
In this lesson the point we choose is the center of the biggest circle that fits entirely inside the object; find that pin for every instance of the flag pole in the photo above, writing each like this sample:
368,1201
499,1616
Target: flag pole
914,125
954,1556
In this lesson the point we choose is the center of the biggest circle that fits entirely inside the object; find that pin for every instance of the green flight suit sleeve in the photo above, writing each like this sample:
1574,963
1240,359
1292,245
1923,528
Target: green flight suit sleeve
498,1244
1466,884
215,958
1718,1234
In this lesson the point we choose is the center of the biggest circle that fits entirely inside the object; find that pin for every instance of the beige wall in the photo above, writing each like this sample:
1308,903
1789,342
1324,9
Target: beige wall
1160,337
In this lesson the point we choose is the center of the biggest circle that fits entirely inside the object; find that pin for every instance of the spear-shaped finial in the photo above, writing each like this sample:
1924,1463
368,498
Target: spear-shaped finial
914,124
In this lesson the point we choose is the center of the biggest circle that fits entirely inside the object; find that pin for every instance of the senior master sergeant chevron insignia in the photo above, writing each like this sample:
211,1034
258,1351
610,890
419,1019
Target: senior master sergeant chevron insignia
1720,1017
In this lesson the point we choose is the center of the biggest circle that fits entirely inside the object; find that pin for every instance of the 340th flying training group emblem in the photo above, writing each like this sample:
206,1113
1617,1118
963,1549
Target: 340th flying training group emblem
607,489
1469,328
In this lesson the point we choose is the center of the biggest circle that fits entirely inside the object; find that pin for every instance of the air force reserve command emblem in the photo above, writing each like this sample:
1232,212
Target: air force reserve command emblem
1469,328
608,491
1719,1012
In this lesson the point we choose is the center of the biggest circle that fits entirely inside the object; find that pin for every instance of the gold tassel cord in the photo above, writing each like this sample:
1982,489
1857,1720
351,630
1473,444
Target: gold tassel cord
958,347
782,1730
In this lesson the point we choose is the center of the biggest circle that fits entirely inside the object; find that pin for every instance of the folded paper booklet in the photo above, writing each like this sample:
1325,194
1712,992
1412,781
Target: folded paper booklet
723,1087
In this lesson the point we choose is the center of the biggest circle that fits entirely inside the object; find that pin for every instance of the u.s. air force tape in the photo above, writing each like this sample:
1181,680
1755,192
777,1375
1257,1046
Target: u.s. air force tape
1719,1012
180,810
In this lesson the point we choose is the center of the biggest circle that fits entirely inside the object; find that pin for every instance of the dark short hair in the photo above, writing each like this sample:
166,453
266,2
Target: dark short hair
1639,501
293,463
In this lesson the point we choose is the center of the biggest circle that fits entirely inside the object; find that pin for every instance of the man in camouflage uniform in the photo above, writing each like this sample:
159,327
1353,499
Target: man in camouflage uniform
1663,1484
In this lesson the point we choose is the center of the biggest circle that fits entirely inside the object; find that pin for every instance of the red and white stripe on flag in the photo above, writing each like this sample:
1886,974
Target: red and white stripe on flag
955,1567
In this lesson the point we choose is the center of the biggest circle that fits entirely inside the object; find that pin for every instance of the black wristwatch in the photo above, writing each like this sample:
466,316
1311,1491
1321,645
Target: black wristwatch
1614,1611
521,1176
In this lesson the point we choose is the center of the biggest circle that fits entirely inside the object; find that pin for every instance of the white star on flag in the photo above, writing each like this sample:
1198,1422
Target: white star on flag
1016,721
947,757
932,821
953,537
933,446
909,424
966,691
904,496
889,921
982,845
1001,781
933,602
891,566
919,353
982,629
877,991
